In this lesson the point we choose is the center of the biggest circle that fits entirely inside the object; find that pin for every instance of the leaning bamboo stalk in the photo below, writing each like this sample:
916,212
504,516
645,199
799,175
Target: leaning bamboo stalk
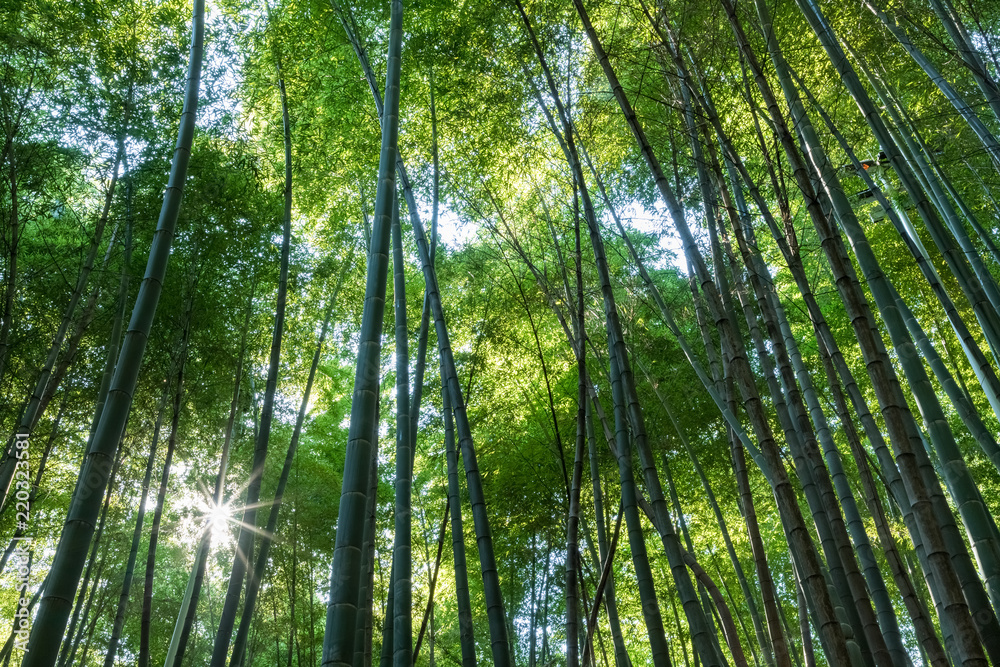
85,597
697,620
465,627
926,634
364,626
79,528
770,305
710,385
629,501
820,502
721,607
799,431
713,502
429,609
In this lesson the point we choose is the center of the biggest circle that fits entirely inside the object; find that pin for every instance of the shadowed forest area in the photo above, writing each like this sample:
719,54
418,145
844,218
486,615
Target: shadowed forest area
343,333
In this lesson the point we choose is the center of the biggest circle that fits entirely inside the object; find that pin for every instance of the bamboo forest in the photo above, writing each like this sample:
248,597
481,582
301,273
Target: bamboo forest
525,333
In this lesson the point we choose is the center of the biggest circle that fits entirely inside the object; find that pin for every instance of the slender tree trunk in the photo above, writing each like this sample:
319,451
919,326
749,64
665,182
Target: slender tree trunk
402,552
31,414
189,604
720,519
602,585
239,645
640,560
981,366
979,286
533,621
88,631
788,247
154,531
465,626
840,551
119,622
545,606
929,643
573,522
722,609
807,648
245,546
